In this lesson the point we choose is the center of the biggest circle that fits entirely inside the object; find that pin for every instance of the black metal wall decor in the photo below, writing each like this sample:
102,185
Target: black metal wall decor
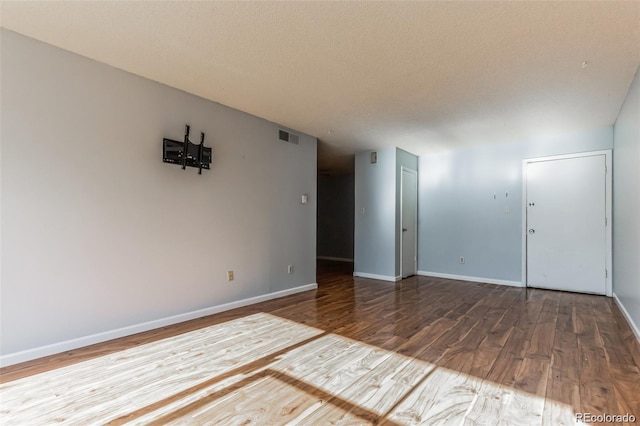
186,153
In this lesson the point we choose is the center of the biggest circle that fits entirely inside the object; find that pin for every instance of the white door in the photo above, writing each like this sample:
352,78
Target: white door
565,231
409,225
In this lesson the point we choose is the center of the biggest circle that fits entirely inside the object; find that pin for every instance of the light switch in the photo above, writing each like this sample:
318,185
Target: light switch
304,199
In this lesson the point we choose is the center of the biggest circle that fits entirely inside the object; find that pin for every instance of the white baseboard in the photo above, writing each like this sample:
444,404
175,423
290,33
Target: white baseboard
67,345
376,277
473,279
335,259
626,315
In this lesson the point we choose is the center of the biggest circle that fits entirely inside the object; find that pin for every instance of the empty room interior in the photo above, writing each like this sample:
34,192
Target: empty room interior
315,213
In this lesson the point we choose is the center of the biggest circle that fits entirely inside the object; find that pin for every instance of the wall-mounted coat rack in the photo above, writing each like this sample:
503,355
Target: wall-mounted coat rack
187,153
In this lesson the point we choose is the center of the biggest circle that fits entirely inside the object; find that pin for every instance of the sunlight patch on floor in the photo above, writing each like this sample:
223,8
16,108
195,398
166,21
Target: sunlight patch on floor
265,369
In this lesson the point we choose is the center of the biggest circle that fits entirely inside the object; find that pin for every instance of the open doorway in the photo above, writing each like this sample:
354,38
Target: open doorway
334,235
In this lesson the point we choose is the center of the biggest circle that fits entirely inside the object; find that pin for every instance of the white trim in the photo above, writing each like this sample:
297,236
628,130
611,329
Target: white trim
472,279
415,225
626,315
608,195
335,259
67,345
376,276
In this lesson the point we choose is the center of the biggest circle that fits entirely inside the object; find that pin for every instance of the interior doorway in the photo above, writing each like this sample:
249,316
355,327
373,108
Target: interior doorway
409,222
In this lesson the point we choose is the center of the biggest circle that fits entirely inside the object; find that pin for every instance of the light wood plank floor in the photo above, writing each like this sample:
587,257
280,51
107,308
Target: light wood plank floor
355,351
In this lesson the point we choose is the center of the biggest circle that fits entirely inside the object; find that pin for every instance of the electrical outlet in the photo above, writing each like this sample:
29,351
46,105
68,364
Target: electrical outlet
229,275
507,209
290,269
461,259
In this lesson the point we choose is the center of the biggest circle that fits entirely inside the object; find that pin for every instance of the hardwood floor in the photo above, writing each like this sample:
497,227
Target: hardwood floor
355,351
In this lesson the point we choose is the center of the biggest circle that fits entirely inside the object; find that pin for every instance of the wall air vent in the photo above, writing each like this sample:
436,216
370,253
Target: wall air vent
285,136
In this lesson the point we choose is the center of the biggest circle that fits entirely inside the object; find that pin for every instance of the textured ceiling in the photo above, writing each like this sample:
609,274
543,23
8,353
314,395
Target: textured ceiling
424,76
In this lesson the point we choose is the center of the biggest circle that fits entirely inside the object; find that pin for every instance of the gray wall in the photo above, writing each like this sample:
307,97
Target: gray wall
626,204
410,161
458,215
375,189
377,230
335,216
98,233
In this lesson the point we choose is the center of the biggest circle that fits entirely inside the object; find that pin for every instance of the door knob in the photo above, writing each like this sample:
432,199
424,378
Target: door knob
532,231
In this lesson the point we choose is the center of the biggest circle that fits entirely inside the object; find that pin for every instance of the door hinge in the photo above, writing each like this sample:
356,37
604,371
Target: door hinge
606,273
606,221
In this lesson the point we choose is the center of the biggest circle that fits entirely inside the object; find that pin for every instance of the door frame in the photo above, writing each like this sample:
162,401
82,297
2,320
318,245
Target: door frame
608,216
415,225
